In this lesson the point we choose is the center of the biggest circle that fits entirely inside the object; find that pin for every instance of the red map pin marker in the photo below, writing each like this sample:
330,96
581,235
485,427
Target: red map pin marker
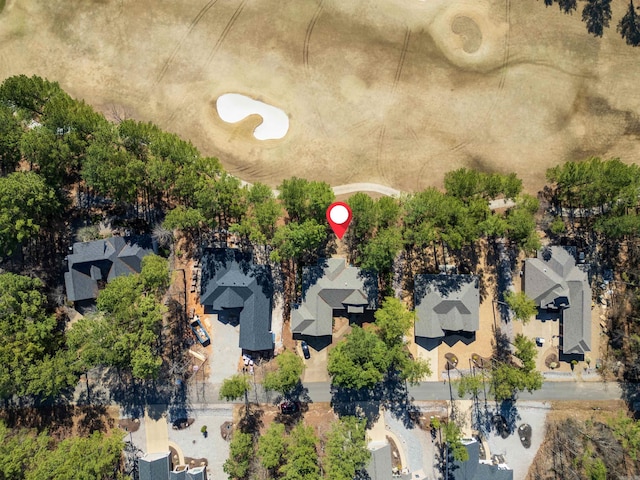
339,217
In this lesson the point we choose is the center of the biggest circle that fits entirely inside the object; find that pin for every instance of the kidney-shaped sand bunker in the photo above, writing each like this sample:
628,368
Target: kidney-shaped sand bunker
234,107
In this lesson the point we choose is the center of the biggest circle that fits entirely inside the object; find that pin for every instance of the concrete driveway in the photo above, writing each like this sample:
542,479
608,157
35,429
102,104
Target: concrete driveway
214,448
224,352
157,440
518,457
315,367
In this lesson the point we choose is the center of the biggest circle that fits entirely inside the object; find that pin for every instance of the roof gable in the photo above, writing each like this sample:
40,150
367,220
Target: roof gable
554,281
103,260
446,303
332,285
230,280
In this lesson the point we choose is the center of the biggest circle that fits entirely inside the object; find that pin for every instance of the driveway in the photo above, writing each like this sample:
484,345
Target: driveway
416,444
214,448
157,434
516,456
315,367
224,352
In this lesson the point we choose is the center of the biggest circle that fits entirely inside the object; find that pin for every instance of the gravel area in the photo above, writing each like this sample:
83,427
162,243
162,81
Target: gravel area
516,456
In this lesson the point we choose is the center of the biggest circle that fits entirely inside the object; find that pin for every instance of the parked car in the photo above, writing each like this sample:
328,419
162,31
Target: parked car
288,407
199,331
305,350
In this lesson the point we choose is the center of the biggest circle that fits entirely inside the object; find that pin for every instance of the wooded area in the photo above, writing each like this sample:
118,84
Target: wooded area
64,169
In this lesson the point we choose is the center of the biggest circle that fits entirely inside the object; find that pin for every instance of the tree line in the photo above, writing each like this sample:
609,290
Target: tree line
596,15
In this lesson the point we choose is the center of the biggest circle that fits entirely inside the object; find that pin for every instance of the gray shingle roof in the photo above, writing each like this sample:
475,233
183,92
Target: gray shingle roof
331,285
446,303
472,469
380,467
182,475
154,466
198,473
554,282
103,260
231,281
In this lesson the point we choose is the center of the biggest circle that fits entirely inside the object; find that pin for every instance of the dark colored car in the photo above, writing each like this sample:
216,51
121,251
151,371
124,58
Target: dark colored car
305,350
524,431
288,407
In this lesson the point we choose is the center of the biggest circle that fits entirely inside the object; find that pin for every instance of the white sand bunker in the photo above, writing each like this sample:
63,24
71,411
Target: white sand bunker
469,36
234,107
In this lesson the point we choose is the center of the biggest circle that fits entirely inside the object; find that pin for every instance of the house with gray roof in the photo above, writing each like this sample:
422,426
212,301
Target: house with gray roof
198,473
179,472
332,287
239,292
445,305
557,285
93,264
476,469
380,466
154,466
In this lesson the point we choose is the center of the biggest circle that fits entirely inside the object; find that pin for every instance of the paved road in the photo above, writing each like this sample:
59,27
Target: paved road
431,391
386,190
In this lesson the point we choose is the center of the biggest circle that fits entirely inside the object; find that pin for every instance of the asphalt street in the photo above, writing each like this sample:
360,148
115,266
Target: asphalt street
426,391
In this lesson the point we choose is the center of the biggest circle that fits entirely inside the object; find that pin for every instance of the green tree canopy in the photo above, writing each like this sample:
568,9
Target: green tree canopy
379,253
234,387
470,383
27,456
27,95
509,379
453,439
26,205
346,449
83,458
32,354
305,200
126,334
183,218
271,447
240,454
287,376
522,306
394,321
388,212
259,224
359,361
295,241
364,221
302,457
10,134
154,274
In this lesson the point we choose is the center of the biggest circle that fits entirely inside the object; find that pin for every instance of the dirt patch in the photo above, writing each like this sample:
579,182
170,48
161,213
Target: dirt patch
395,454
584,410
318,415
196,462
129,424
